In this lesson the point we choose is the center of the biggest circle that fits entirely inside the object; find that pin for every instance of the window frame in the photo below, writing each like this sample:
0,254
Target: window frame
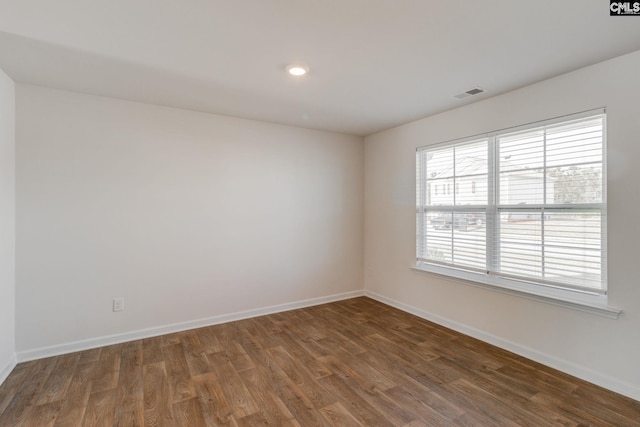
537,289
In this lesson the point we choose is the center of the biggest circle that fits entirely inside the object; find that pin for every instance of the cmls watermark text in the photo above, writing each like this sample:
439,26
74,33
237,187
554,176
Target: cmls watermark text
621,8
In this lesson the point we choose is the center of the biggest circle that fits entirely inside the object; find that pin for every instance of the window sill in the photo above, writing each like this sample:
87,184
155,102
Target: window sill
594,304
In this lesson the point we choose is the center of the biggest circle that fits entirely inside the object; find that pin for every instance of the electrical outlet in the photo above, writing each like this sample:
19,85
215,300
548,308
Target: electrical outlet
118,304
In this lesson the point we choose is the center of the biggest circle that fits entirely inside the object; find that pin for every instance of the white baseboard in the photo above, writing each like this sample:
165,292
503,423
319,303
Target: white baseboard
71,347
6,370
581,372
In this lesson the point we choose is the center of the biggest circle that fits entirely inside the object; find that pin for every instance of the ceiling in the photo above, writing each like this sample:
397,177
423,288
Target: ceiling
374,64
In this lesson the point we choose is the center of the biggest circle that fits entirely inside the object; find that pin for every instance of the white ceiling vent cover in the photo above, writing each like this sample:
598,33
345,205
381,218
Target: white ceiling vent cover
470,92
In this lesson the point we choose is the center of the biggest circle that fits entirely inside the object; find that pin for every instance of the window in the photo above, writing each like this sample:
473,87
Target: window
535,215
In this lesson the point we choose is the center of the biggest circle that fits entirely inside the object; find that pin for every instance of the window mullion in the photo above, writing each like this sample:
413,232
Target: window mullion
603,216
544,203
492,219
421,165
453,211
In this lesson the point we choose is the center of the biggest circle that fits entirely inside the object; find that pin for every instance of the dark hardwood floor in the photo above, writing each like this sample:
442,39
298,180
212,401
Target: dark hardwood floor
350,363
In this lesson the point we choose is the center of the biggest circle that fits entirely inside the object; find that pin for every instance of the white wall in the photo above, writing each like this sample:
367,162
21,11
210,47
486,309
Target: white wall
7,226
186,215
599,349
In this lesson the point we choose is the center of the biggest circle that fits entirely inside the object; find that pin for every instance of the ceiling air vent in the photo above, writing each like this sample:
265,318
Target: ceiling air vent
470,92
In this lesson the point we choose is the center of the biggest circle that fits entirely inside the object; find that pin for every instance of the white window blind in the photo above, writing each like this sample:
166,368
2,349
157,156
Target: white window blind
525,205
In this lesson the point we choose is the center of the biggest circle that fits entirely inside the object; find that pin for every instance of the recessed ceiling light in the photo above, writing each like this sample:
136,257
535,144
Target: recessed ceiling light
297,69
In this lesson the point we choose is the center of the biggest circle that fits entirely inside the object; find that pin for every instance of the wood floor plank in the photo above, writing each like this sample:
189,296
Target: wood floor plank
179,378
337,415
171,339
44,415
238,357
421,404
77,397
494,408
90,356
107,369
58,382
213,401
14,384
377,375
417,392
409,359
298,375
437,379
209,340
295,348
273,410
188,413
370,393
130,391
589,393
358,407
194,354
588,412
28,393
464,356
101,408
156,401
152,350
349,363
237,395
297,403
